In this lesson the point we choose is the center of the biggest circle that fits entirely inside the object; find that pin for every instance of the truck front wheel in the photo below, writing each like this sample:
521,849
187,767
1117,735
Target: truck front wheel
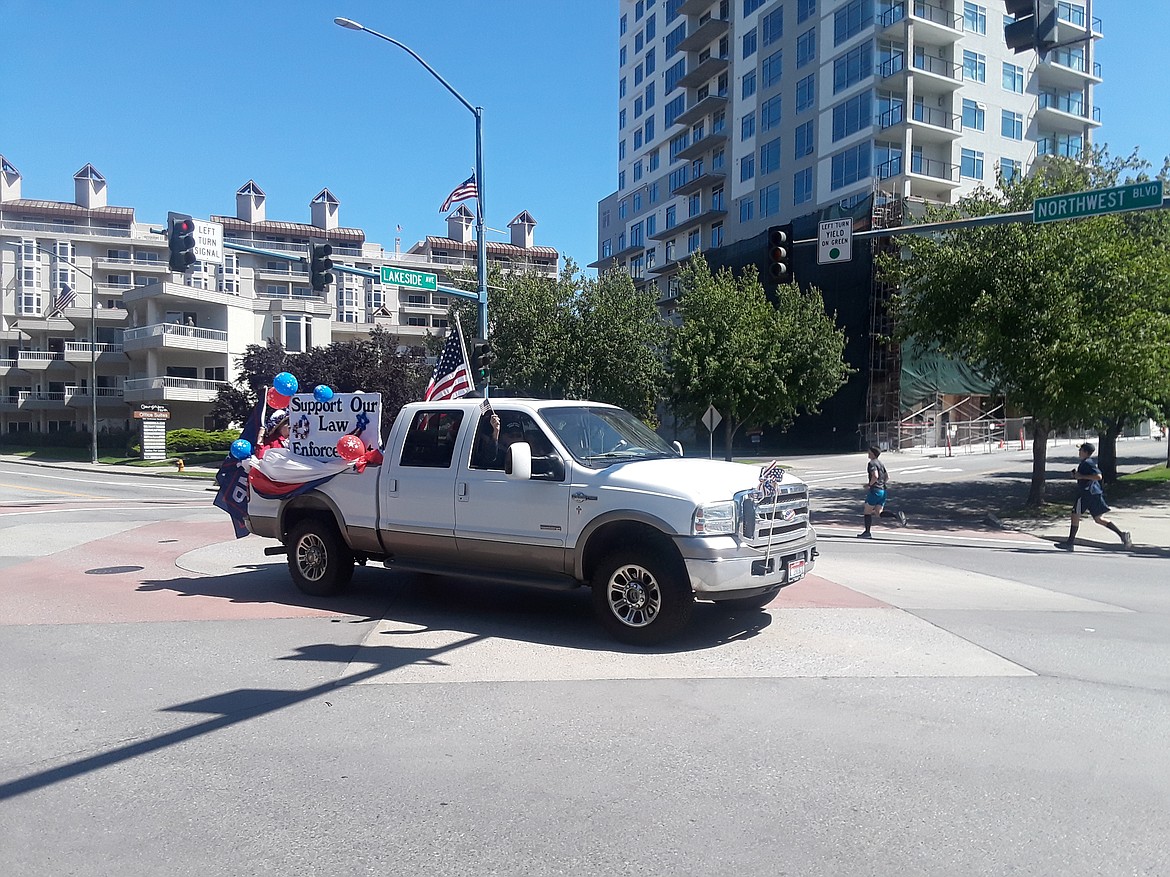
642,597
319,561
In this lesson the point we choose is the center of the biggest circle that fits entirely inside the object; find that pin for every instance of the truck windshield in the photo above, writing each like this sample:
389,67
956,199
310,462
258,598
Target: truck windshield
604,436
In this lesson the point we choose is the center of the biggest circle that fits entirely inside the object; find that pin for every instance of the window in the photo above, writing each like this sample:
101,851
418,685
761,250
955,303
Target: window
294,332
639,9
694,204
1009,169
850,19
717,158
770,157
672,10
622,26
973,115
621,149
746,210
653,159
675,37
850,165
621,180
1012,125
806,47
802,183
621,120
971,164
638,163
431,439
639,41
649,127
805,93
638,75
747,126
694,240
623,208
750,6
747,167
637,198
674,73
649,95
805,8
606,248
852,115
651,28
622,56
852,67
770,200
1013,77
771,69
804,139
749,43
621,87
974,18
717,235
769,113
772,25
748,84
636,238
673,109
651,225
974,67
670,216
638,106
678,143
649,63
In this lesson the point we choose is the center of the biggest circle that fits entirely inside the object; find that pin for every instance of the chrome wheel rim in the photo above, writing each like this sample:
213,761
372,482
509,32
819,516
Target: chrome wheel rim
633,595
312,557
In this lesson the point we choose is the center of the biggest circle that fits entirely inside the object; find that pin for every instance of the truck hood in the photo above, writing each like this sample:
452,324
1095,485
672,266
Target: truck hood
693,479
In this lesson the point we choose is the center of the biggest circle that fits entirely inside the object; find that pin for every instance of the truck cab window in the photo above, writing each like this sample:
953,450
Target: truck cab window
490,452
431,438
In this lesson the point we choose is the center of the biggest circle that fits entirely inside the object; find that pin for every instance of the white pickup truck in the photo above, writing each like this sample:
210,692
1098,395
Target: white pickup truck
570,493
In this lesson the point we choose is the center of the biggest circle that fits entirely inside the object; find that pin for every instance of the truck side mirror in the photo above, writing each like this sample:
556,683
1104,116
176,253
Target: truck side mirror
548,467
518,464
678,447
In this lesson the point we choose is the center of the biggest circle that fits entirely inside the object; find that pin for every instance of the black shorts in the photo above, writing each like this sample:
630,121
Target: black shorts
1091,504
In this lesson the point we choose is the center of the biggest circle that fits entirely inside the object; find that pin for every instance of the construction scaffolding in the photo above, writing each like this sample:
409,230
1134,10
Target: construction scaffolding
882,402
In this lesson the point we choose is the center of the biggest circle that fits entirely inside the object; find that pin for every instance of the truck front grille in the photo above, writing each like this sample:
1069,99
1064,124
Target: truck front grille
775,518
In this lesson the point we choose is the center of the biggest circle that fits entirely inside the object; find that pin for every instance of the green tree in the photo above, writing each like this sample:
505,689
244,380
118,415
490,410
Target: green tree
1058,315
756,361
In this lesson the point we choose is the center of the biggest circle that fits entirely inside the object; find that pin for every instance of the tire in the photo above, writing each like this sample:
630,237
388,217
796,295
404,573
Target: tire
642,596
319,561
743,604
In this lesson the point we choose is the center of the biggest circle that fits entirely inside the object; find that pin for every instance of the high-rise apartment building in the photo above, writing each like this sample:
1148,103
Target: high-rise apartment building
734,116
164,338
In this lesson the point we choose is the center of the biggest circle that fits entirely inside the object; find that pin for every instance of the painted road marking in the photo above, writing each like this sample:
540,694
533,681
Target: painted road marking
113,483
54,492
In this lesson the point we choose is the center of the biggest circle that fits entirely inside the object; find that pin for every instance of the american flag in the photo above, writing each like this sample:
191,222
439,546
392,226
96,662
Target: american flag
64,299
463,192
451,379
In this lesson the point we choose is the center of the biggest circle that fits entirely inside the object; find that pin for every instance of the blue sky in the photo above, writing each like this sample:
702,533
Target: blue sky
180,104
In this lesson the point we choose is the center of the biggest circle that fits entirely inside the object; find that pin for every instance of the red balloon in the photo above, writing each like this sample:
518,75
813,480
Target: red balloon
350,447
276,399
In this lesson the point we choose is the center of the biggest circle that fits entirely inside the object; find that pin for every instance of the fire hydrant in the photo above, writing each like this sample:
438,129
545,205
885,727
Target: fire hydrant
179,464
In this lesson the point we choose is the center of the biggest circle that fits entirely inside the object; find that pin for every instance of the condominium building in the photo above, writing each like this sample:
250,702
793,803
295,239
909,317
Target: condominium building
736,115
163,338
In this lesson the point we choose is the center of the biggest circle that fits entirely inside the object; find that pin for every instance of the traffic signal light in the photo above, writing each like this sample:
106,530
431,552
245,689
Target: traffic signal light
481,357
319,265
1033,27
780,252
181,240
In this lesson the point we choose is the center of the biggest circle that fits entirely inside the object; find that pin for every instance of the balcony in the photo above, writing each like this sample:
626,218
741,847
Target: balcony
702,181
1072,23
704,34
1068,69
695,7
929,177
40,360
1066,111
176,337
700,146
39,400
7,365
700,109
78,352
165,389
934,24
67,228
685,225
107,397
706,69
929,123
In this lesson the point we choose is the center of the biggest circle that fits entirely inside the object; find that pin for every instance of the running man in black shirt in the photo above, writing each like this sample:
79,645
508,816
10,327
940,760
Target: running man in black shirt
1090,498
875,497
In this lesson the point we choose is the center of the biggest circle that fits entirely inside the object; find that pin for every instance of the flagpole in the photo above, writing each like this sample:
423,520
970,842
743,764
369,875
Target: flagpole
463,348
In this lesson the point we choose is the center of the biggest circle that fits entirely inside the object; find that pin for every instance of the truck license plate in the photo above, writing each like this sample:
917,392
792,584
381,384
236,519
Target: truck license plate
795,570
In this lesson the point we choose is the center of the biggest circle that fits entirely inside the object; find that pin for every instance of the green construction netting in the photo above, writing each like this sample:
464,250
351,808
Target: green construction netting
926,373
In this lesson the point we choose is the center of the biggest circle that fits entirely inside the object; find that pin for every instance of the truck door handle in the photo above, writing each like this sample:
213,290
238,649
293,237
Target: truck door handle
581,497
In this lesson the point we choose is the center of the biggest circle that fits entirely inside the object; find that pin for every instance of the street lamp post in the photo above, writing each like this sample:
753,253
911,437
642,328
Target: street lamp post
481,243
93,449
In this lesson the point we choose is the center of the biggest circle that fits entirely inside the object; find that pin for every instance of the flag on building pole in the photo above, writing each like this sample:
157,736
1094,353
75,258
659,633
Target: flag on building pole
463,192
451,378
65,299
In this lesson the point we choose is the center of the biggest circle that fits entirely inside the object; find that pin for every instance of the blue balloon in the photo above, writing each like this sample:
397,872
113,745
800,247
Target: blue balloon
285,384
322,393
241,449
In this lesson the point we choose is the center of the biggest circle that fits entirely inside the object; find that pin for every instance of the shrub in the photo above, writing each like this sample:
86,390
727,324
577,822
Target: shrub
184,441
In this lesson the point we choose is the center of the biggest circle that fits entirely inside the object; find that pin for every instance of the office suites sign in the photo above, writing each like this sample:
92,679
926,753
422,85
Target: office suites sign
315,427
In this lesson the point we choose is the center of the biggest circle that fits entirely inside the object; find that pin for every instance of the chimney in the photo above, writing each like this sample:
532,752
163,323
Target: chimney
459,225
9,181
324,210
250,203
89,188
521,227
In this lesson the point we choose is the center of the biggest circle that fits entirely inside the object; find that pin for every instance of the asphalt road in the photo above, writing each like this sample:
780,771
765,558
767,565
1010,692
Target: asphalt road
948,698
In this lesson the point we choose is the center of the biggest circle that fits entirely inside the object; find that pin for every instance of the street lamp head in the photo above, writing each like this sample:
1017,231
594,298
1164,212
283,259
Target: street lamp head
348,23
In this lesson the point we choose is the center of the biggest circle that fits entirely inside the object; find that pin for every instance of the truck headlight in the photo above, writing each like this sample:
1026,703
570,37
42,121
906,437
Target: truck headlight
713,518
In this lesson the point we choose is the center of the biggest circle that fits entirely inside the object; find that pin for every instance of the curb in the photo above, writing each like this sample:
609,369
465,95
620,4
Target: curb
103,468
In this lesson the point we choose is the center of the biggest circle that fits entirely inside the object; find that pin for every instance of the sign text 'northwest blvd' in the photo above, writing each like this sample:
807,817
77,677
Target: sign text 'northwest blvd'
1095,202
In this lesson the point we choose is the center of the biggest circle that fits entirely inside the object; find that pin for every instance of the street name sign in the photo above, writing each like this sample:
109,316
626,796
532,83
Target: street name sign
410,279
835,241
1096,202
208,241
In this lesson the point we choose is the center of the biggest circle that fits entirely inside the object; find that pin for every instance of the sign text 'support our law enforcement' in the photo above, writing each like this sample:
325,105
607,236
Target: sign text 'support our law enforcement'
316,426
1118,199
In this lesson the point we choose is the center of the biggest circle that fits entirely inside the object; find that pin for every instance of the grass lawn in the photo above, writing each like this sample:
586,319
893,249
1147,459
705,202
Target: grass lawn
1152,482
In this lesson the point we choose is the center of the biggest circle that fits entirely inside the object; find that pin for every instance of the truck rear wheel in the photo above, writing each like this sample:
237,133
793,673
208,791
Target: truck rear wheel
641,596
319,561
